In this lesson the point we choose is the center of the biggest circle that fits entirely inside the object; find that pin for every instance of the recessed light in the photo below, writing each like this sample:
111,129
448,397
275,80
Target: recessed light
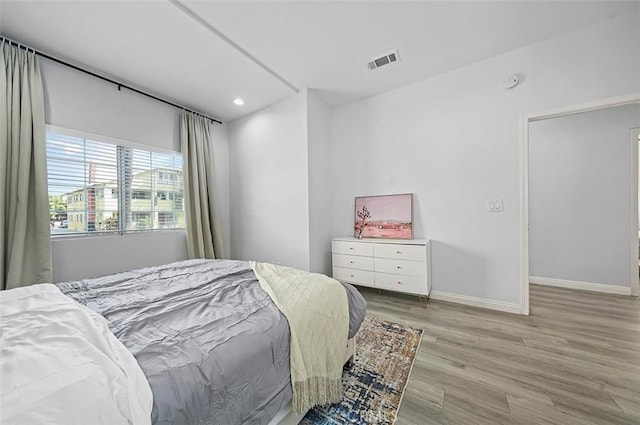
238,101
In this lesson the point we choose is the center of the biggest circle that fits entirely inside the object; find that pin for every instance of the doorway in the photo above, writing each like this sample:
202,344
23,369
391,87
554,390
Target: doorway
635,199
525,176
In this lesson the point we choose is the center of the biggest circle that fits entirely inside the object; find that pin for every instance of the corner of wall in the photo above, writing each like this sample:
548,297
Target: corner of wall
268,183
319,160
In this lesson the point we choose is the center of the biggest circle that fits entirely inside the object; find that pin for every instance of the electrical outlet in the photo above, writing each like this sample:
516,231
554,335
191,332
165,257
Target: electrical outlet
495,205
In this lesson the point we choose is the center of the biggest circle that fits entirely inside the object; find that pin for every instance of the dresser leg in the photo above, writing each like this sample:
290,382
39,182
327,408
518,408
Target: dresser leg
423,301
379,292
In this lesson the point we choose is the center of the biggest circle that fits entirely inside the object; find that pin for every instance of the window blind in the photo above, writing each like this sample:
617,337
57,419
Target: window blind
102,187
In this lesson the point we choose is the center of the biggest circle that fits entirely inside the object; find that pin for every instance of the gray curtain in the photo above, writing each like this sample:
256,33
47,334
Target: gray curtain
203,234
25,234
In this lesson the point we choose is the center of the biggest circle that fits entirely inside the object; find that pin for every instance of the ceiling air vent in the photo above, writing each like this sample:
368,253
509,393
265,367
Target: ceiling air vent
383,60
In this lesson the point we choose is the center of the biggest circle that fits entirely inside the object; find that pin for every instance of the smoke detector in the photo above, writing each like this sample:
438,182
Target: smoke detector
383,60
510,82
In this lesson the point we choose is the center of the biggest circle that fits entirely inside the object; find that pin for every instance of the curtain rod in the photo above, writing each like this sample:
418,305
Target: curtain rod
102,77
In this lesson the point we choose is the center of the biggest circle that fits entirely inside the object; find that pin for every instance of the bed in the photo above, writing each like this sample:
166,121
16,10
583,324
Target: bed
59,363
213,346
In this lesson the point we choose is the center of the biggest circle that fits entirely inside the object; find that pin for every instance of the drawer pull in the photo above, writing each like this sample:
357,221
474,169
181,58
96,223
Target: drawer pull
351,248
399,283
351,262
351,275
398,252
398,267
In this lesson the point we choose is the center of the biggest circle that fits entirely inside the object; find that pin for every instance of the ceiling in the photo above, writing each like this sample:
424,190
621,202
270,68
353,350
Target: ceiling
203,54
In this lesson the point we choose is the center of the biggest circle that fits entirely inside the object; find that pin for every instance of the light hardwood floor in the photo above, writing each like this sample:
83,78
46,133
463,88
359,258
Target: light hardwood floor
575,360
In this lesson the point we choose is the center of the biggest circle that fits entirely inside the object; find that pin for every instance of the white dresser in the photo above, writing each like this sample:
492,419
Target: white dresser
391,264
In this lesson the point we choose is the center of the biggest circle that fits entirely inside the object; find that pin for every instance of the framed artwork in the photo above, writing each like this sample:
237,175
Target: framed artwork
386,216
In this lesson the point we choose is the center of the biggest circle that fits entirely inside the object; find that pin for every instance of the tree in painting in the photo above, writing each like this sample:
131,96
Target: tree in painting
363,214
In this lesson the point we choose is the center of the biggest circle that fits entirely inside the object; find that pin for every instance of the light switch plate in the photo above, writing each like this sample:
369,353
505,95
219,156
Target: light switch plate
495,205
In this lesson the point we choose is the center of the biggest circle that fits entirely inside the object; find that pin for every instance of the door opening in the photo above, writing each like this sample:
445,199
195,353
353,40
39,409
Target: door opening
635,200
524,191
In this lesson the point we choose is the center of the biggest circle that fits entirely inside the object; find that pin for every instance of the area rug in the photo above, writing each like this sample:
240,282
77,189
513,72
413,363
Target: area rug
374,384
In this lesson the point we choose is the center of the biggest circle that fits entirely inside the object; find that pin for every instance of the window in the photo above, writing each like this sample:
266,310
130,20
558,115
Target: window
103,187
140,194
167,177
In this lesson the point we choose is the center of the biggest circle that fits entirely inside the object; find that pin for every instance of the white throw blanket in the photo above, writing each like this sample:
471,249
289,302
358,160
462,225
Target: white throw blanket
317,309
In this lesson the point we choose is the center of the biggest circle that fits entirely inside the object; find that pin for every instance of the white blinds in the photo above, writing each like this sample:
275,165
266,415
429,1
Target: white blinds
101,187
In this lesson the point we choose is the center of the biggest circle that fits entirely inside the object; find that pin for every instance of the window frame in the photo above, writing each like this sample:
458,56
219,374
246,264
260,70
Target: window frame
80,134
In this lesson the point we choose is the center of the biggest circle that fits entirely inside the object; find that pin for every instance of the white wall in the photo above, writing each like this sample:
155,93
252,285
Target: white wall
579,196
453,141
320,187
80,102
92,256
269,189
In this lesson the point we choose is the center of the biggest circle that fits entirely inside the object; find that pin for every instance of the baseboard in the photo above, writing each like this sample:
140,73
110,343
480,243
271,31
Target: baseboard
583,286
476,302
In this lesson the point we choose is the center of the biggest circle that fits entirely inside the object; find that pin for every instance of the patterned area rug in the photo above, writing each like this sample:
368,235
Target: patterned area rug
374,384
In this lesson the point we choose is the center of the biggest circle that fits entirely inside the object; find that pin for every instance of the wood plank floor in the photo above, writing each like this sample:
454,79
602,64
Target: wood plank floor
575,360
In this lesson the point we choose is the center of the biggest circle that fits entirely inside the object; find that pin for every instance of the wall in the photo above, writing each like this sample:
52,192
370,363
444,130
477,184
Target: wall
269,184
80,102
320,195
453,141
579,196
92,256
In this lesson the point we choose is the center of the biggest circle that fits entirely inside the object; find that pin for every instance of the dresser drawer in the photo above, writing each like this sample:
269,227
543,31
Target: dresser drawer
353,248
403,267
410,284
402,252
363,277
353,262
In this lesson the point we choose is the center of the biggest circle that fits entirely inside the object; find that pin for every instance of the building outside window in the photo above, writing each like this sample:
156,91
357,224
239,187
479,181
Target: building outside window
95,186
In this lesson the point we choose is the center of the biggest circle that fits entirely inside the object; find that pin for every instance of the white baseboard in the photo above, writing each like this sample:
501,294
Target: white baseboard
584,286
476,302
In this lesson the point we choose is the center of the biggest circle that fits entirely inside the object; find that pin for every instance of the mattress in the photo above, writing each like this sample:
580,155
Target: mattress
212,344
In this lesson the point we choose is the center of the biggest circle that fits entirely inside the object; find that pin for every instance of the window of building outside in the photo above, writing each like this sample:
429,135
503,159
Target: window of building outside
101,187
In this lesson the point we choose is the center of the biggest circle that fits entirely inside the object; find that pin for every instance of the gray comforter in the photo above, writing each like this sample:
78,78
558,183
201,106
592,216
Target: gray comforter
212,344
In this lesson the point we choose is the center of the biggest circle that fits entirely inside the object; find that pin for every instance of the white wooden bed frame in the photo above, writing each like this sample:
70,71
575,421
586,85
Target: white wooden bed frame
286,416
